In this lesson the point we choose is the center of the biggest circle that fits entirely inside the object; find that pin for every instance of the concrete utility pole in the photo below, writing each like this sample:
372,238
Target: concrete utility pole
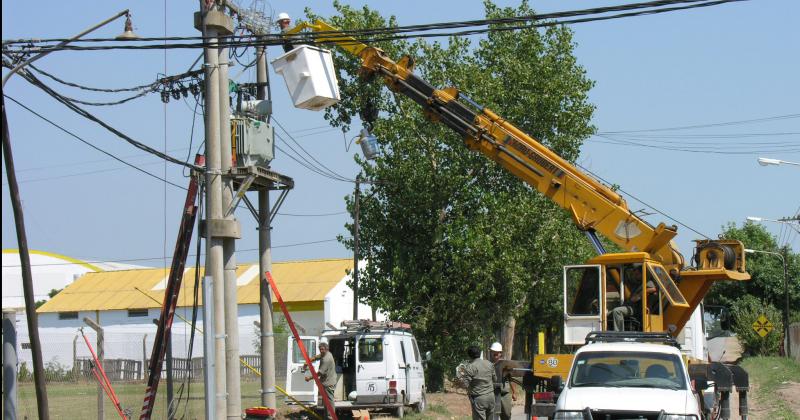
265,263
356,226
9,364
214,23
233,377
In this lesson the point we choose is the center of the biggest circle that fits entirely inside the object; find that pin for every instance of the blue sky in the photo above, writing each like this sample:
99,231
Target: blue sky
725,63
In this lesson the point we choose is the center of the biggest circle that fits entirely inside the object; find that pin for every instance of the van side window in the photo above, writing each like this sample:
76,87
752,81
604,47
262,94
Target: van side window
311,347
416,349
370,350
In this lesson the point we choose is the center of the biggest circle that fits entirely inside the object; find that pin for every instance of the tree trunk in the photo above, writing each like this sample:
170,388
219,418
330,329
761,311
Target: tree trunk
507,337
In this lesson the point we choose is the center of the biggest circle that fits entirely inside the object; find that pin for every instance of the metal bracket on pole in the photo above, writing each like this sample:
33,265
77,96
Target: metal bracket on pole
250,207
243,187
278,204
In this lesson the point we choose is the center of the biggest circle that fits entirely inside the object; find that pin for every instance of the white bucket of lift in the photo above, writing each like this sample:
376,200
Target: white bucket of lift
310,77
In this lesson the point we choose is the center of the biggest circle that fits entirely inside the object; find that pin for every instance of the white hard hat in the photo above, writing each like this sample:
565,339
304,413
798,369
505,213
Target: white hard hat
323,340
496,347
283,15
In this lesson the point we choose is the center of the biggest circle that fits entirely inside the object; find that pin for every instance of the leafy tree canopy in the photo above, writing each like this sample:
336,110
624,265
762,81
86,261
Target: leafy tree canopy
455,244
766,270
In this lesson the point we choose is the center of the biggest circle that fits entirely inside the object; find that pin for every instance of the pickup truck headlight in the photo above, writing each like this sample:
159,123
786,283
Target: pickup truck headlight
568,415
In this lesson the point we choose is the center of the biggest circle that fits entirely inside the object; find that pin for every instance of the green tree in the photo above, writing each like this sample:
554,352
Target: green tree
746,311
766,271
457,246
50,294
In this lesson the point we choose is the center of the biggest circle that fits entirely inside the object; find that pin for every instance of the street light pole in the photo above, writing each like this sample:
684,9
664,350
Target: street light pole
785,296
22,239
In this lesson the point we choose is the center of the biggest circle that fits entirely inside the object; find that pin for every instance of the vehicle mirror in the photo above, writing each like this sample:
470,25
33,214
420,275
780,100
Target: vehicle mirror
428,356
555,384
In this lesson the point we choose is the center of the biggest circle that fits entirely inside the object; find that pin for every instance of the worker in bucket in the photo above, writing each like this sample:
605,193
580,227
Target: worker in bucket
480,378
285,23
504,391
326,370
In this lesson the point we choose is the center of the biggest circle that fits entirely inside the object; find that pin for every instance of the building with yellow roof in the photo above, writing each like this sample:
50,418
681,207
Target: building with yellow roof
126,302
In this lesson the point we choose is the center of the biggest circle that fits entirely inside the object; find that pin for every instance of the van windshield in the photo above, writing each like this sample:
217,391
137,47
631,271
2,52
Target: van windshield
628,369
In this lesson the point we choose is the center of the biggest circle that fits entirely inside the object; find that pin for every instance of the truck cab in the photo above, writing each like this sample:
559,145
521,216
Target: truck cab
379,366
631,375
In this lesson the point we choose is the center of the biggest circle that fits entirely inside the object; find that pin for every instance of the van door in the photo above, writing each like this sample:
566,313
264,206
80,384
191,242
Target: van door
371,371
417,380
404,358
296,385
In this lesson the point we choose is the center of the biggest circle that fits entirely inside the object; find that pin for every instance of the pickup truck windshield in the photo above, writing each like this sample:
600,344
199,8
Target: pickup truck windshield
628,369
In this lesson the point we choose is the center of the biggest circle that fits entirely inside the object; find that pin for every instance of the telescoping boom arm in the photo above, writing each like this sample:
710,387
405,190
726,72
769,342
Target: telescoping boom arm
593,206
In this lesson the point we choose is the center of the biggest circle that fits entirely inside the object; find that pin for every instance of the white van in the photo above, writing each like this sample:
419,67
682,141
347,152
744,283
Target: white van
378,363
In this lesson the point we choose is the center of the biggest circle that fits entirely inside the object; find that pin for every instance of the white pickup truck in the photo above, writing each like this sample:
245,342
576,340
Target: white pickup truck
628,378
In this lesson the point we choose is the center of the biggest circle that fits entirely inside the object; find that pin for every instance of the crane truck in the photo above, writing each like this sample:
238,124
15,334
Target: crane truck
670,291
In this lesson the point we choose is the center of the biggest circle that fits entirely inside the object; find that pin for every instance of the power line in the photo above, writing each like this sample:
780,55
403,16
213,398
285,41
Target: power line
689,149
109,154
148,86
291,245
327,169
721,124
394,33
80,111
648,205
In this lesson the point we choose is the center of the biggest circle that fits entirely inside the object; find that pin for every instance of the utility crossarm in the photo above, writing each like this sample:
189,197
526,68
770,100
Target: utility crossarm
594,207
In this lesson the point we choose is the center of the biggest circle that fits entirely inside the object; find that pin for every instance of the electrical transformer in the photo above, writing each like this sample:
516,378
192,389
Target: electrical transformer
253,141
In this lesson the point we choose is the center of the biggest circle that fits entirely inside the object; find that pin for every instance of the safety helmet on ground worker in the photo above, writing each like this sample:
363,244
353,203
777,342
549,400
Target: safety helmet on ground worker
496,347
283,16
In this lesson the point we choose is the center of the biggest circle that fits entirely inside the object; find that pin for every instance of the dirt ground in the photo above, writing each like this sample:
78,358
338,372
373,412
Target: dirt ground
760,409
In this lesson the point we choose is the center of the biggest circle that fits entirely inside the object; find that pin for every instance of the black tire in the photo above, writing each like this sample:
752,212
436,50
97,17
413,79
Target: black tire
422,405
399,411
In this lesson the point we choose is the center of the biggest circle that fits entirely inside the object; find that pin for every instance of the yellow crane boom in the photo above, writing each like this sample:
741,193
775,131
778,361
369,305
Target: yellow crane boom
594,207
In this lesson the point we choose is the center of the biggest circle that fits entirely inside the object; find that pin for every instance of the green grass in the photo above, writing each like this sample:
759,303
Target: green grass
770,373
79,400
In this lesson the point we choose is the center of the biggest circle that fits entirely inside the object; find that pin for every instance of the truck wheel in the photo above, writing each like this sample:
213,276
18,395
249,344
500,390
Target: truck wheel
422,405
399,411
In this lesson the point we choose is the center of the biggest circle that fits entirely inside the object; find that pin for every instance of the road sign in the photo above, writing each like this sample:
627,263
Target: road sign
762,326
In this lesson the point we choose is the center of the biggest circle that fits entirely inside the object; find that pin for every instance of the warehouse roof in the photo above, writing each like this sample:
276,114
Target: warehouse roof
298,282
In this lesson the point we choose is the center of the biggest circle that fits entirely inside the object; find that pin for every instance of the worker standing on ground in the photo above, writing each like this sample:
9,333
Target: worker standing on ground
505,389
326,371
284,23
480,378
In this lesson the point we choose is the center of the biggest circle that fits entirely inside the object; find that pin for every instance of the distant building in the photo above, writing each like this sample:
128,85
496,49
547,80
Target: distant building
50,271
126,302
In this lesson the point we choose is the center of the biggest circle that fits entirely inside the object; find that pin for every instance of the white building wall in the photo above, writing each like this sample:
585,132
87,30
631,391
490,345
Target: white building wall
339,304
124,335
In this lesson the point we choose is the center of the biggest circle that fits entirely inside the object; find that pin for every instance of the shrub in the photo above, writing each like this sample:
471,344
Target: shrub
745,312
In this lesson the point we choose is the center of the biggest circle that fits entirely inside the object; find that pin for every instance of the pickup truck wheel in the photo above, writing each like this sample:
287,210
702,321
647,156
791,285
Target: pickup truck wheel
399,411
422,405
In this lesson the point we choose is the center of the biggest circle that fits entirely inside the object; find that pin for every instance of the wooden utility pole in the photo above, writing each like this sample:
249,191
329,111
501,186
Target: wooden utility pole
100,356
27,277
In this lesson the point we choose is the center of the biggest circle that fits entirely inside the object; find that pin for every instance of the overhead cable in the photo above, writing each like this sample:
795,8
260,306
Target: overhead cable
393,33
86,142
80,111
